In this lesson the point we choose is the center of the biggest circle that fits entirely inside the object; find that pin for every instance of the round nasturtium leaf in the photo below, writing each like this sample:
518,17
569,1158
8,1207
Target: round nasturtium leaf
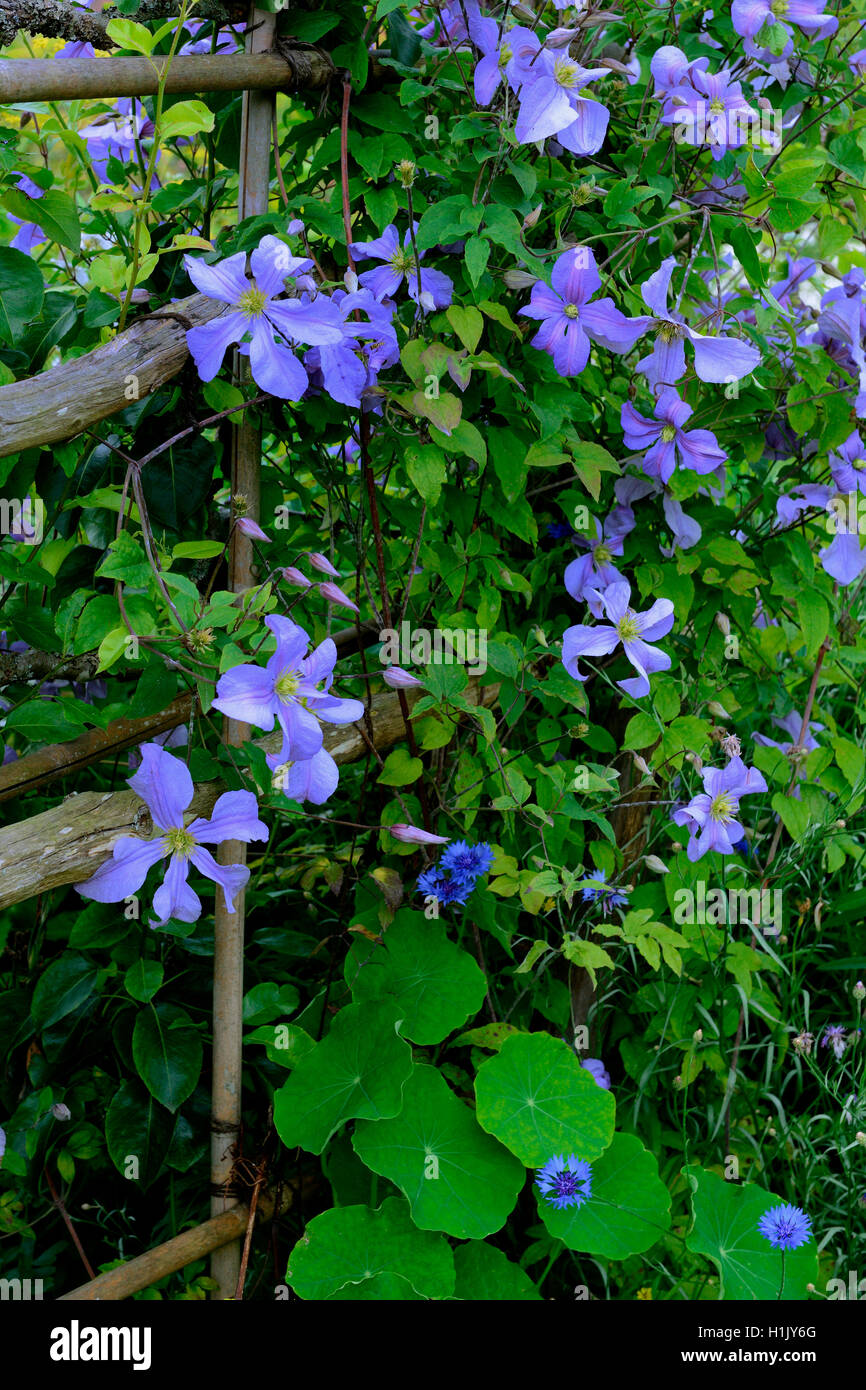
456,1177
356,1253
539,1101
485,1275
357,1070
629,1209
725,1227
436,983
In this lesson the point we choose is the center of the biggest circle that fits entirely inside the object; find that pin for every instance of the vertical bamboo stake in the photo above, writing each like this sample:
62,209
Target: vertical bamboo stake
255,164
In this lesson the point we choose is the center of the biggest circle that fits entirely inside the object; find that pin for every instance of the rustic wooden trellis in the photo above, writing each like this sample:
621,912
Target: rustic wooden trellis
70,841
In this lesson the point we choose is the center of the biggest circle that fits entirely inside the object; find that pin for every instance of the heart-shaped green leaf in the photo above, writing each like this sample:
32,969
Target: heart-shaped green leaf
358,1070
629,1209
456,1177
725,1218
539,1101
436,984
356,1253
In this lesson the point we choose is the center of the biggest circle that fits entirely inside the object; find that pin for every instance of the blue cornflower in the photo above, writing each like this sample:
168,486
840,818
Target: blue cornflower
785,1227
465,861
835,1037
565,1182
448,891
594,890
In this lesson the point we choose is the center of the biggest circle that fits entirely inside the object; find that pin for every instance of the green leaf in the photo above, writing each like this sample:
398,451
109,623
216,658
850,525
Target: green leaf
476,254
468,324
629,1209
400,769
127,561
62,988
55,212
814,612
539,1101
197,550
485,1275
127,34
457,1178
267,1001
167,1052
356,1253
359,1069
425,464
47,721
725,1218
286,1043
794,815
137,1127
143,979
21,292
436,985
185,118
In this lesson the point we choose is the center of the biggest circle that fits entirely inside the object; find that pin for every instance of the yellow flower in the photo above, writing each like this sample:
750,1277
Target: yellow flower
645,1294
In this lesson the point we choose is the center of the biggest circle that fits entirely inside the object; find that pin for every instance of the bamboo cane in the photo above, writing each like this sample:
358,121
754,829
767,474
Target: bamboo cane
228,986
44,79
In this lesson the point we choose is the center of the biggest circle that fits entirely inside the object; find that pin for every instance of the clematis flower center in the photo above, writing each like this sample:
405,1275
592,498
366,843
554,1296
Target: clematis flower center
859,464
565,73
779,7
669,332
505,55
668,433
571,311
627,628
402,261
179,841
286,687
723,808
252,303
602,555
717,106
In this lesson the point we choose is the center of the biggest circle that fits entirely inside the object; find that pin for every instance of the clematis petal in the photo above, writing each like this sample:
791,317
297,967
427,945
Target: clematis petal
275,368
230,877
164,782
272,263
657,621
208,342
234,817
719,360
174,897
246,693
581,641
123,874
226,280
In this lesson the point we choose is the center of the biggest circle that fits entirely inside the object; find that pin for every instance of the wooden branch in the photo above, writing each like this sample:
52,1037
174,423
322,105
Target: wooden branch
153,1265
54,19
33,665
45,765
44,79
68,843
66,399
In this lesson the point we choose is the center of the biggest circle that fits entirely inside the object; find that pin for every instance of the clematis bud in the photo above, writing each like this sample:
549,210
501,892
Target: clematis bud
560,38
335,595
696,762
641,764
698,1035
351,281
532,217
324,566
653,862
519,279
61,1111
398,679
412,835
717,711
295,227
294,576
860,1137
405,172
251,528
859,990
723,623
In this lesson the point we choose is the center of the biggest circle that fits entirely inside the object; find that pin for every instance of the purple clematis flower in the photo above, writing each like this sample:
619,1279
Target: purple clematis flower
351,367
844,559
552,103
716,359
508,59
228,38
791,724
634,630
709,109
258,312
712,815
848,465
595,570
569,320
750,16
399,264
671,68
312,779
666,441
165,785
598,1071
288,689
28,237
116,137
